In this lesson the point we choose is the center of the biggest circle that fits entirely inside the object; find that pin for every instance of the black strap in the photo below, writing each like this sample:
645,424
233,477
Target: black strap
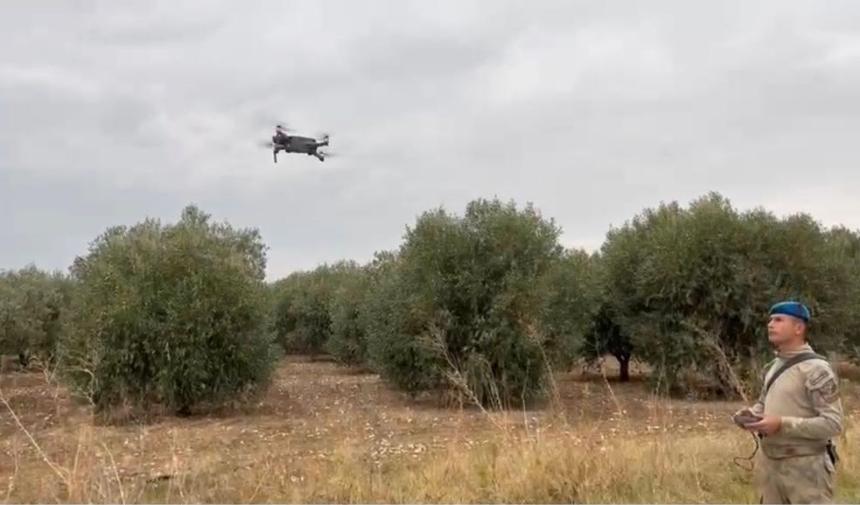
800,358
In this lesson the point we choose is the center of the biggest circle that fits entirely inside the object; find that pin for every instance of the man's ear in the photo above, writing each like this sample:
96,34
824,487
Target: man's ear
800,328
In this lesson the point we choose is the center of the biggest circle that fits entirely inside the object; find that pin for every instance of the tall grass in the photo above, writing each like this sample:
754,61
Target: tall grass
514,457
559,465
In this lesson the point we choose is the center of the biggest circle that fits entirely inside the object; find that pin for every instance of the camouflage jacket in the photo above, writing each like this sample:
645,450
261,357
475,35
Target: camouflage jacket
806,397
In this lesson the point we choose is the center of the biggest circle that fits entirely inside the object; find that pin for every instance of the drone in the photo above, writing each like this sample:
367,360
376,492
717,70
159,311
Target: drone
282,141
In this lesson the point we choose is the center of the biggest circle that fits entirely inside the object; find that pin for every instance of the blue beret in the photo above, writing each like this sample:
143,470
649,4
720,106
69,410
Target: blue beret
794,309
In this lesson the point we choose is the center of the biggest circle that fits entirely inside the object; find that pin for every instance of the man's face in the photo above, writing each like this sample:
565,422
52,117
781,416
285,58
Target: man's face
782,329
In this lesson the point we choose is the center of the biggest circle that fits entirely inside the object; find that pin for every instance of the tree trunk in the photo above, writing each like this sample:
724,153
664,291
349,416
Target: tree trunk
624,362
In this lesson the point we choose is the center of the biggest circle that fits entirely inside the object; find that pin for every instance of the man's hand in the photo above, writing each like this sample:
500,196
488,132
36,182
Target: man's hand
767,426
743,417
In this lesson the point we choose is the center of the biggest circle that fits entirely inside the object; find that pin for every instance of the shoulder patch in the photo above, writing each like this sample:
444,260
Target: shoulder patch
818,373
829,392
821,381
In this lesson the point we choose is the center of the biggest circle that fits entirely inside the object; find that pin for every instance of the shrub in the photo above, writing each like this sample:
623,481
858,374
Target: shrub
394,328
33,308
843,247
692,287
461,304
569,300
348,340
302,314
170,314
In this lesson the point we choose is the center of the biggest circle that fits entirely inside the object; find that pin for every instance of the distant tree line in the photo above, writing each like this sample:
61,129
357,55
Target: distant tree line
489,302
485,305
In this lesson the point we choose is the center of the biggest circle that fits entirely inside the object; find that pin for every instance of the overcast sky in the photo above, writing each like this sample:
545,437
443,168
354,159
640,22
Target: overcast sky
114,111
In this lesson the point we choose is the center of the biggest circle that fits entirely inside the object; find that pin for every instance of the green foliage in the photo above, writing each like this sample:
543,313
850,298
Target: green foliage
348,340
302,314
461,303
843,247
606,336
393,329
288,296
484,302
603,333
692,286
170,314
33,308
569,296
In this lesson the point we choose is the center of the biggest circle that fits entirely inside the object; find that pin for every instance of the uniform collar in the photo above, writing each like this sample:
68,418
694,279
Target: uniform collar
788,354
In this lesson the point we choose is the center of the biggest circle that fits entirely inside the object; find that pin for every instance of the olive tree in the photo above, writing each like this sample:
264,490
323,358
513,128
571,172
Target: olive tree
461,306
34,306
570,296
691,287
302,314
348,340
170,314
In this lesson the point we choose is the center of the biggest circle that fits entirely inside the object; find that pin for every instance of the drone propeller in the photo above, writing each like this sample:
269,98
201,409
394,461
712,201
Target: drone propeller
283,126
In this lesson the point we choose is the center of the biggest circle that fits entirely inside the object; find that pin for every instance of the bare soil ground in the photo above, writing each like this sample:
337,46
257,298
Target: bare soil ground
315,415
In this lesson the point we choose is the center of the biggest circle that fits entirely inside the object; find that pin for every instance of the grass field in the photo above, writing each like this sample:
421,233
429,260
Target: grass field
324,433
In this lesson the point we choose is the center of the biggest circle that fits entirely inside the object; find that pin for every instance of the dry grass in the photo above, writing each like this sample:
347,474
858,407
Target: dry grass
848,371
324,434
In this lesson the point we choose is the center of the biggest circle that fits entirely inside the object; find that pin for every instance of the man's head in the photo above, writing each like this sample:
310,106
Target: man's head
787,325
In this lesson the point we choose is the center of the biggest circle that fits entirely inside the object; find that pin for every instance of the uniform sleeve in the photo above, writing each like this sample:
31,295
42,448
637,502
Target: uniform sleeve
822,388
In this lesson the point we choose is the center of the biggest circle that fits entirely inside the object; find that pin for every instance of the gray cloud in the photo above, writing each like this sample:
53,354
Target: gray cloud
110,112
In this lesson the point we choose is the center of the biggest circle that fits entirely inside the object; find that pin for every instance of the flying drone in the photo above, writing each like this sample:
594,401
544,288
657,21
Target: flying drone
283,141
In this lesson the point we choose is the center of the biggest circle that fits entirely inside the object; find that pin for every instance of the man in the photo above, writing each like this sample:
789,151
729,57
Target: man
796,417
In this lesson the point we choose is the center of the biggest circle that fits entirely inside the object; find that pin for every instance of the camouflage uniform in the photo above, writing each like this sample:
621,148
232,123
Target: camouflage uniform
793,465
